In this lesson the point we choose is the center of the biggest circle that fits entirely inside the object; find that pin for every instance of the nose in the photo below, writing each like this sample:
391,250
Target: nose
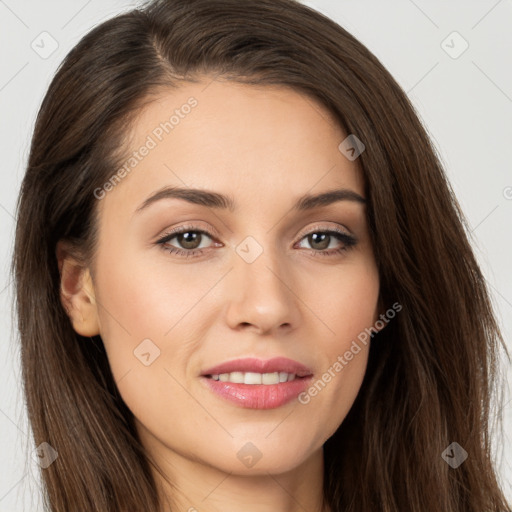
262,296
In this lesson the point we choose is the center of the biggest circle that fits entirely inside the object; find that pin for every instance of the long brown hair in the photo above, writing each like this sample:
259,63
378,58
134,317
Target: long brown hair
431,374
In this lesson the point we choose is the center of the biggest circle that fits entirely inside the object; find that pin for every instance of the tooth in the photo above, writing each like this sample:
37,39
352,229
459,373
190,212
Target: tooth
270,378
252,378
236,377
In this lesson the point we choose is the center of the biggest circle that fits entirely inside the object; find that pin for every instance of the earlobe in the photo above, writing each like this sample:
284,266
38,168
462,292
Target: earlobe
77,292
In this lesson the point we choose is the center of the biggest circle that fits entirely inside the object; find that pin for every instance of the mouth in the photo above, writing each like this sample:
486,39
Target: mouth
257,384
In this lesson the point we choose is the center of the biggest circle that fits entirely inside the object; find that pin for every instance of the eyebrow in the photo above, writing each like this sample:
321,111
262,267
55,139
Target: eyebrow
220,201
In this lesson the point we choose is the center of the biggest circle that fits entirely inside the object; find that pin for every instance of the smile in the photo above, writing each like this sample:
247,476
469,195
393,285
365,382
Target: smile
257,384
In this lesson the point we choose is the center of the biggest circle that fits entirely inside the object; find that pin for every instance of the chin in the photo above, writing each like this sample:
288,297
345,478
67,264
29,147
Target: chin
262,456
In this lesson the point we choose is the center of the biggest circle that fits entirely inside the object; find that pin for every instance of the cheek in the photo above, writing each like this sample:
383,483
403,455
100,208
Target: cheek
349,307
142,301
148,318
132,320
345,299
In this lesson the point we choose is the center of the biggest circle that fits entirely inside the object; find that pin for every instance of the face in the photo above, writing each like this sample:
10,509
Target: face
185,282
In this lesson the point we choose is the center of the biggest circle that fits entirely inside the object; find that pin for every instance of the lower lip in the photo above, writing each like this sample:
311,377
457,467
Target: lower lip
258,396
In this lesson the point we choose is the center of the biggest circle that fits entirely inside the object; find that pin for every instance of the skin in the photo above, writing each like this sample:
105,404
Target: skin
265,147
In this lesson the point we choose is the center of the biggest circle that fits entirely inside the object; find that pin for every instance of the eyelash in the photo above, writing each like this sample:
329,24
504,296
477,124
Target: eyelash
348,241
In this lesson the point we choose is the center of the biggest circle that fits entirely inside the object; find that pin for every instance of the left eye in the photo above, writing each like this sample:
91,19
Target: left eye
322,238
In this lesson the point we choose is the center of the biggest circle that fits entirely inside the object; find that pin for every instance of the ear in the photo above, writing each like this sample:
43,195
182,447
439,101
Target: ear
77,292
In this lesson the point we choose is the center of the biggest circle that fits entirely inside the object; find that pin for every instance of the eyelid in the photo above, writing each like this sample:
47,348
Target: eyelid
189,226
322,227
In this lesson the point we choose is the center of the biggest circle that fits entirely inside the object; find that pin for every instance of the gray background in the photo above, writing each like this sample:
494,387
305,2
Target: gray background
463,98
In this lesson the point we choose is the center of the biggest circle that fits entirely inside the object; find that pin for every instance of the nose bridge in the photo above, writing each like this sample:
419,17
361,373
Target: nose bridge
260,294
260,265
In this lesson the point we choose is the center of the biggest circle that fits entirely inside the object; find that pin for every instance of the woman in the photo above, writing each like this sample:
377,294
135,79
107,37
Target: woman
243,281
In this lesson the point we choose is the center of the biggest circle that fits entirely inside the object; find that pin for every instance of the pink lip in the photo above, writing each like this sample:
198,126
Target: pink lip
250,364
259,396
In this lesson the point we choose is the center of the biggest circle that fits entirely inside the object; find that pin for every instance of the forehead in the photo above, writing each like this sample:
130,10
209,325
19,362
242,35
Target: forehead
243,139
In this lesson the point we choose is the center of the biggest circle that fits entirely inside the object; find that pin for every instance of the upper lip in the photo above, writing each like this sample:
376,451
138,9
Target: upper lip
249,364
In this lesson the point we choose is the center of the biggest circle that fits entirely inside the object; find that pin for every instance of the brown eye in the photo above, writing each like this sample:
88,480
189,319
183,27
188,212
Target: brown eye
319,242
189,239
187,242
